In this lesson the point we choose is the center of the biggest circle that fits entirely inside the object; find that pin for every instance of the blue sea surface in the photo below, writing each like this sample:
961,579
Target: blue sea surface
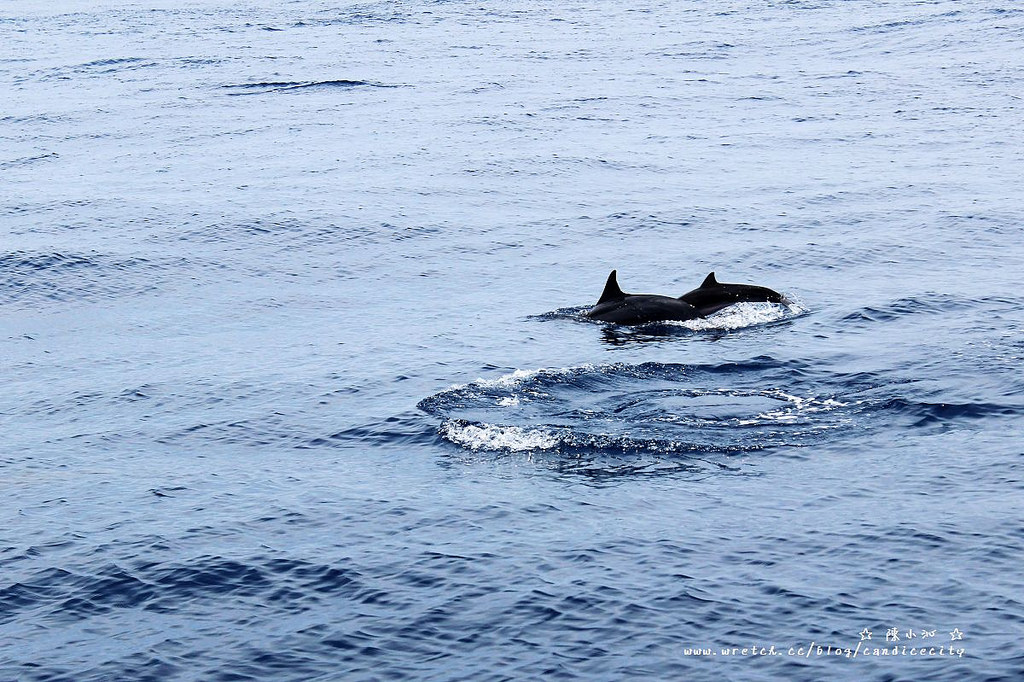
297,383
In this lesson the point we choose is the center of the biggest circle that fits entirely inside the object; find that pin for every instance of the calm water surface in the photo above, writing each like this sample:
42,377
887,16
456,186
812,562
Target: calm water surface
297,385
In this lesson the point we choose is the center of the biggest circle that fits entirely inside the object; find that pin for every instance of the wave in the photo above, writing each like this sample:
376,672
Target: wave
28,160
925,414
263,87
291,431
97,68
932,304
63,596
35,277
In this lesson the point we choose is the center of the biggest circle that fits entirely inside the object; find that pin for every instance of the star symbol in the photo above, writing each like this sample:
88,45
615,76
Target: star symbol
865,634
956,634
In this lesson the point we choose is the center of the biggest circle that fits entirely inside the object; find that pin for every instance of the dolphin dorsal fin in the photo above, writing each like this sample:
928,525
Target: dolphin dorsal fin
611,292
709,281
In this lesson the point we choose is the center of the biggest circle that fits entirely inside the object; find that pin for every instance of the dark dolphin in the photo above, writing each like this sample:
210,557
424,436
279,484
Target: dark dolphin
622,308
712,295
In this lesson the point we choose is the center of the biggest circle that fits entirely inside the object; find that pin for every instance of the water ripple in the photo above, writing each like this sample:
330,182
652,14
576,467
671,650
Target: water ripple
657,408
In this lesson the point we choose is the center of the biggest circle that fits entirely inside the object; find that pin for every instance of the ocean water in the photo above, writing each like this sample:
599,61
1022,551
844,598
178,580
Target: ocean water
296,384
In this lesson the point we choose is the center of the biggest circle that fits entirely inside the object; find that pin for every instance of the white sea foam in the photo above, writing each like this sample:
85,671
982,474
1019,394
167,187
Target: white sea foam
509,380
520,376
795,408
497,437
742,315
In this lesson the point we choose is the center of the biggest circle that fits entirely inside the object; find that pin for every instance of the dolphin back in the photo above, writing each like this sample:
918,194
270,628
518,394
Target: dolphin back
611,292
617,306
712,295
